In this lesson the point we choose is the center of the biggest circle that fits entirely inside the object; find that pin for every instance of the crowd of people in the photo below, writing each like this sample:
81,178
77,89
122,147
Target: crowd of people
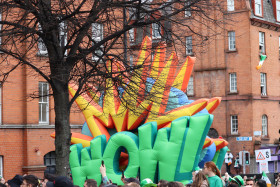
209,176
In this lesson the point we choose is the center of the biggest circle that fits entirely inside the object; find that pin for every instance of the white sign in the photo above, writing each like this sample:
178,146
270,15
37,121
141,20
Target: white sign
263,155
257,133
244,138
263,166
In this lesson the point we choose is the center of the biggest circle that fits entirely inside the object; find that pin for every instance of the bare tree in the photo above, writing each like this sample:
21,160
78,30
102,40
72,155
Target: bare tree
76,38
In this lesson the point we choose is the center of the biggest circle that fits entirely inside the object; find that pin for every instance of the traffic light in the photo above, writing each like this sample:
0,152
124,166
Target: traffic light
247,158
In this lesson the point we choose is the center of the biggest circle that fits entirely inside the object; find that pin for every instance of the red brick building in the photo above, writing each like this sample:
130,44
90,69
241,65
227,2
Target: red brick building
226,67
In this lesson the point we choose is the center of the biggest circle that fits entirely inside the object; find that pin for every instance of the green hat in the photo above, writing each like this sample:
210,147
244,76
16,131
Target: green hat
237,179
147,183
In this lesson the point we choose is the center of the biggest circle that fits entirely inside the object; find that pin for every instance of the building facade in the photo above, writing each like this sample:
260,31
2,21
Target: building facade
226,67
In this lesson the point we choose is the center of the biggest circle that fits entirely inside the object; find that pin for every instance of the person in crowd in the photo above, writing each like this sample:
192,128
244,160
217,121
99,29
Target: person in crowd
237,180
226,179
175,184
30,181
200,180
15,182
228,161
250,182
237,165
232,185
261,183
132,184
60,181
162,183
90,183
130,180
213,173
47,177
147,183
105,179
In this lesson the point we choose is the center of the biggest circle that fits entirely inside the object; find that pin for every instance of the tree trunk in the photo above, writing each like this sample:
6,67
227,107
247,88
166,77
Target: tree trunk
62,126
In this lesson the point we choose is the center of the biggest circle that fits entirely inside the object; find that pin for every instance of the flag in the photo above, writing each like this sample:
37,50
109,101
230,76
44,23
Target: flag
262,58
266,179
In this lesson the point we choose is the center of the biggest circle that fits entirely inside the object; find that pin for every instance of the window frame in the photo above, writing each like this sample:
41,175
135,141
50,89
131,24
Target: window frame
258,3
41,44
190,87
188,13
50,155
189,51
262,42
63,33
230,5
277,7
97,39
234,132
42,102
131,33
233,82
1,165
156,35
263,84
231,41
264,125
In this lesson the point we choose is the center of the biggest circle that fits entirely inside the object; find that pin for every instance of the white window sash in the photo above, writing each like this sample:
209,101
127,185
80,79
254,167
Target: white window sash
233,82
262,41
156,31
230,5
263,84
131,35
258,7
189,45
264,125
97,36
63,35
42,49
231,40
234,124
43,102
190,88
278,11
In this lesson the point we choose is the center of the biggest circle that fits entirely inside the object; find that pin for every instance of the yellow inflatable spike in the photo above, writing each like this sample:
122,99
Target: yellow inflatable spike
158,61
186,110
158,90
183,77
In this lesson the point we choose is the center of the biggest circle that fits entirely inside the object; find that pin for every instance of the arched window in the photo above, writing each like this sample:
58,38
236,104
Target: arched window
264,125
49,161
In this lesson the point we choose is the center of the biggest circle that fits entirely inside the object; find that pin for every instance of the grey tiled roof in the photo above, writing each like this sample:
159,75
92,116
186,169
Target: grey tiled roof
267,12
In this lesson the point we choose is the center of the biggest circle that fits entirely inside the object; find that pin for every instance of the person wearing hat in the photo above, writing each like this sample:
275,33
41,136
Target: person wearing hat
60,181
237,180
147,183
16,181
228,161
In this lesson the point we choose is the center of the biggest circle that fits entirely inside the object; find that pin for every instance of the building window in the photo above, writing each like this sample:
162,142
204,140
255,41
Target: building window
156,34
189,45
131,35
0,26
1,166
258,7
262,42
264,125
232,82
188,12
49,162
190,90
43,102
63,34
234,124
97,36
231,41
278,11
42,49
279,47
131,60
0,106
230,5
263,84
